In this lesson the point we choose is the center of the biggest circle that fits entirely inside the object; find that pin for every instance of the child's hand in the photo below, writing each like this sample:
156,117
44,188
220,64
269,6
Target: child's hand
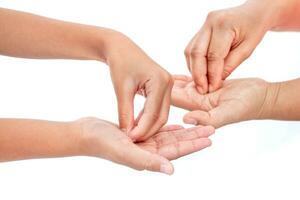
104,139
226,39
133,71
238,100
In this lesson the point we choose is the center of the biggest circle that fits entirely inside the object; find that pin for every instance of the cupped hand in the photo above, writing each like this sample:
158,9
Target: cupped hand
105,140
237,100
132,71
227,38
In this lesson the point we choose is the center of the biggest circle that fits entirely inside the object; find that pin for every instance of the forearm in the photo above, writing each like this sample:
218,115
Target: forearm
281,15
26,139
282,101
31,36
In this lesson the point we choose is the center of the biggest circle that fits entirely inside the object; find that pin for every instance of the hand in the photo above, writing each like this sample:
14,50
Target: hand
132,71
227,38
238,100
104,139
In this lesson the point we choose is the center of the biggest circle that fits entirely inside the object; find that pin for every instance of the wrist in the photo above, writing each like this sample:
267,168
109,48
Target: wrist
268,108
88,144
111,40
271,12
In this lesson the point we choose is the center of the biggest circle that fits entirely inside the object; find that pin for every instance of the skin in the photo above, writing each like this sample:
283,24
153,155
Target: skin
238,100
229,36
31,36
27,139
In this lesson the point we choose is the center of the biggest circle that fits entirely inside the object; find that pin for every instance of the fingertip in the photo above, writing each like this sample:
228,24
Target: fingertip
189,120
214,86
200,90
166,167
210,129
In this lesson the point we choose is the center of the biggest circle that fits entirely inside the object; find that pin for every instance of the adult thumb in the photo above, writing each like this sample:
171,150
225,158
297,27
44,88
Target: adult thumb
200,117
235,58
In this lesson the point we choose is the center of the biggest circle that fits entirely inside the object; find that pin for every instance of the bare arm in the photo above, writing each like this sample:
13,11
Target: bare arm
26,139
31,36
282,101
288,17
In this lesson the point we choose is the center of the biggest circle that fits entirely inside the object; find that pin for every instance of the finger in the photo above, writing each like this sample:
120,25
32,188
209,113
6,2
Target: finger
182,148
195,132
236,57
198,61
163,117
171,128
219,48
214,117
150,114
183,135
125,99
140,159
182,78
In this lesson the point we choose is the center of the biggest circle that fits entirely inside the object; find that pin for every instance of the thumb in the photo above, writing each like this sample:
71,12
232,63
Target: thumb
126,110
236,57
200,117
140,159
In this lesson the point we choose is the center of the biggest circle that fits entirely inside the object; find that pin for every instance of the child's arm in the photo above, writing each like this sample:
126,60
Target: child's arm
25,139
31,36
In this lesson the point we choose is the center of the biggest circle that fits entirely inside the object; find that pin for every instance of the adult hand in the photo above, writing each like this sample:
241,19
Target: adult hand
238,100
104,139
227,38
132,71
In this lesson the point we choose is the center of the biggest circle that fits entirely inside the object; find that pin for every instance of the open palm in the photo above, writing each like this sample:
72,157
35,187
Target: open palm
107,141
237,100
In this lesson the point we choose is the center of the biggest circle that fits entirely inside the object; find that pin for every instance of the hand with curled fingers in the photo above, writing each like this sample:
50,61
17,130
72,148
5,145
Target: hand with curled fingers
132,72
227,38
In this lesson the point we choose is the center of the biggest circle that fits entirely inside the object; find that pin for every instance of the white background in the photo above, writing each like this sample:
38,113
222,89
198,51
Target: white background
249,160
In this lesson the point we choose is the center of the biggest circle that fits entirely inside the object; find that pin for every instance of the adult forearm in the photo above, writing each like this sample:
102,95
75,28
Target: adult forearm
282,101
283,15
31,36
25,139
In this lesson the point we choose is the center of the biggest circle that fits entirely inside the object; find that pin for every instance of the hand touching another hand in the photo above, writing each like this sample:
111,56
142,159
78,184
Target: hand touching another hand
132,71
238,100
104,139
227,38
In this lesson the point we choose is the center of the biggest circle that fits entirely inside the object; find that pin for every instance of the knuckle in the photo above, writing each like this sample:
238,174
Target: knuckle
218,18
196,52
123,116
148,163
187,52
166,78
213,56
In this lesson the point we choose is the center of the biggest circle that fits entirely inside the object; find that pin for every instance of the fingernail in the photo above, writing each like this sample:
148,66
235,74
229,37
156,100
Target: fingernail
190,121
166,169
